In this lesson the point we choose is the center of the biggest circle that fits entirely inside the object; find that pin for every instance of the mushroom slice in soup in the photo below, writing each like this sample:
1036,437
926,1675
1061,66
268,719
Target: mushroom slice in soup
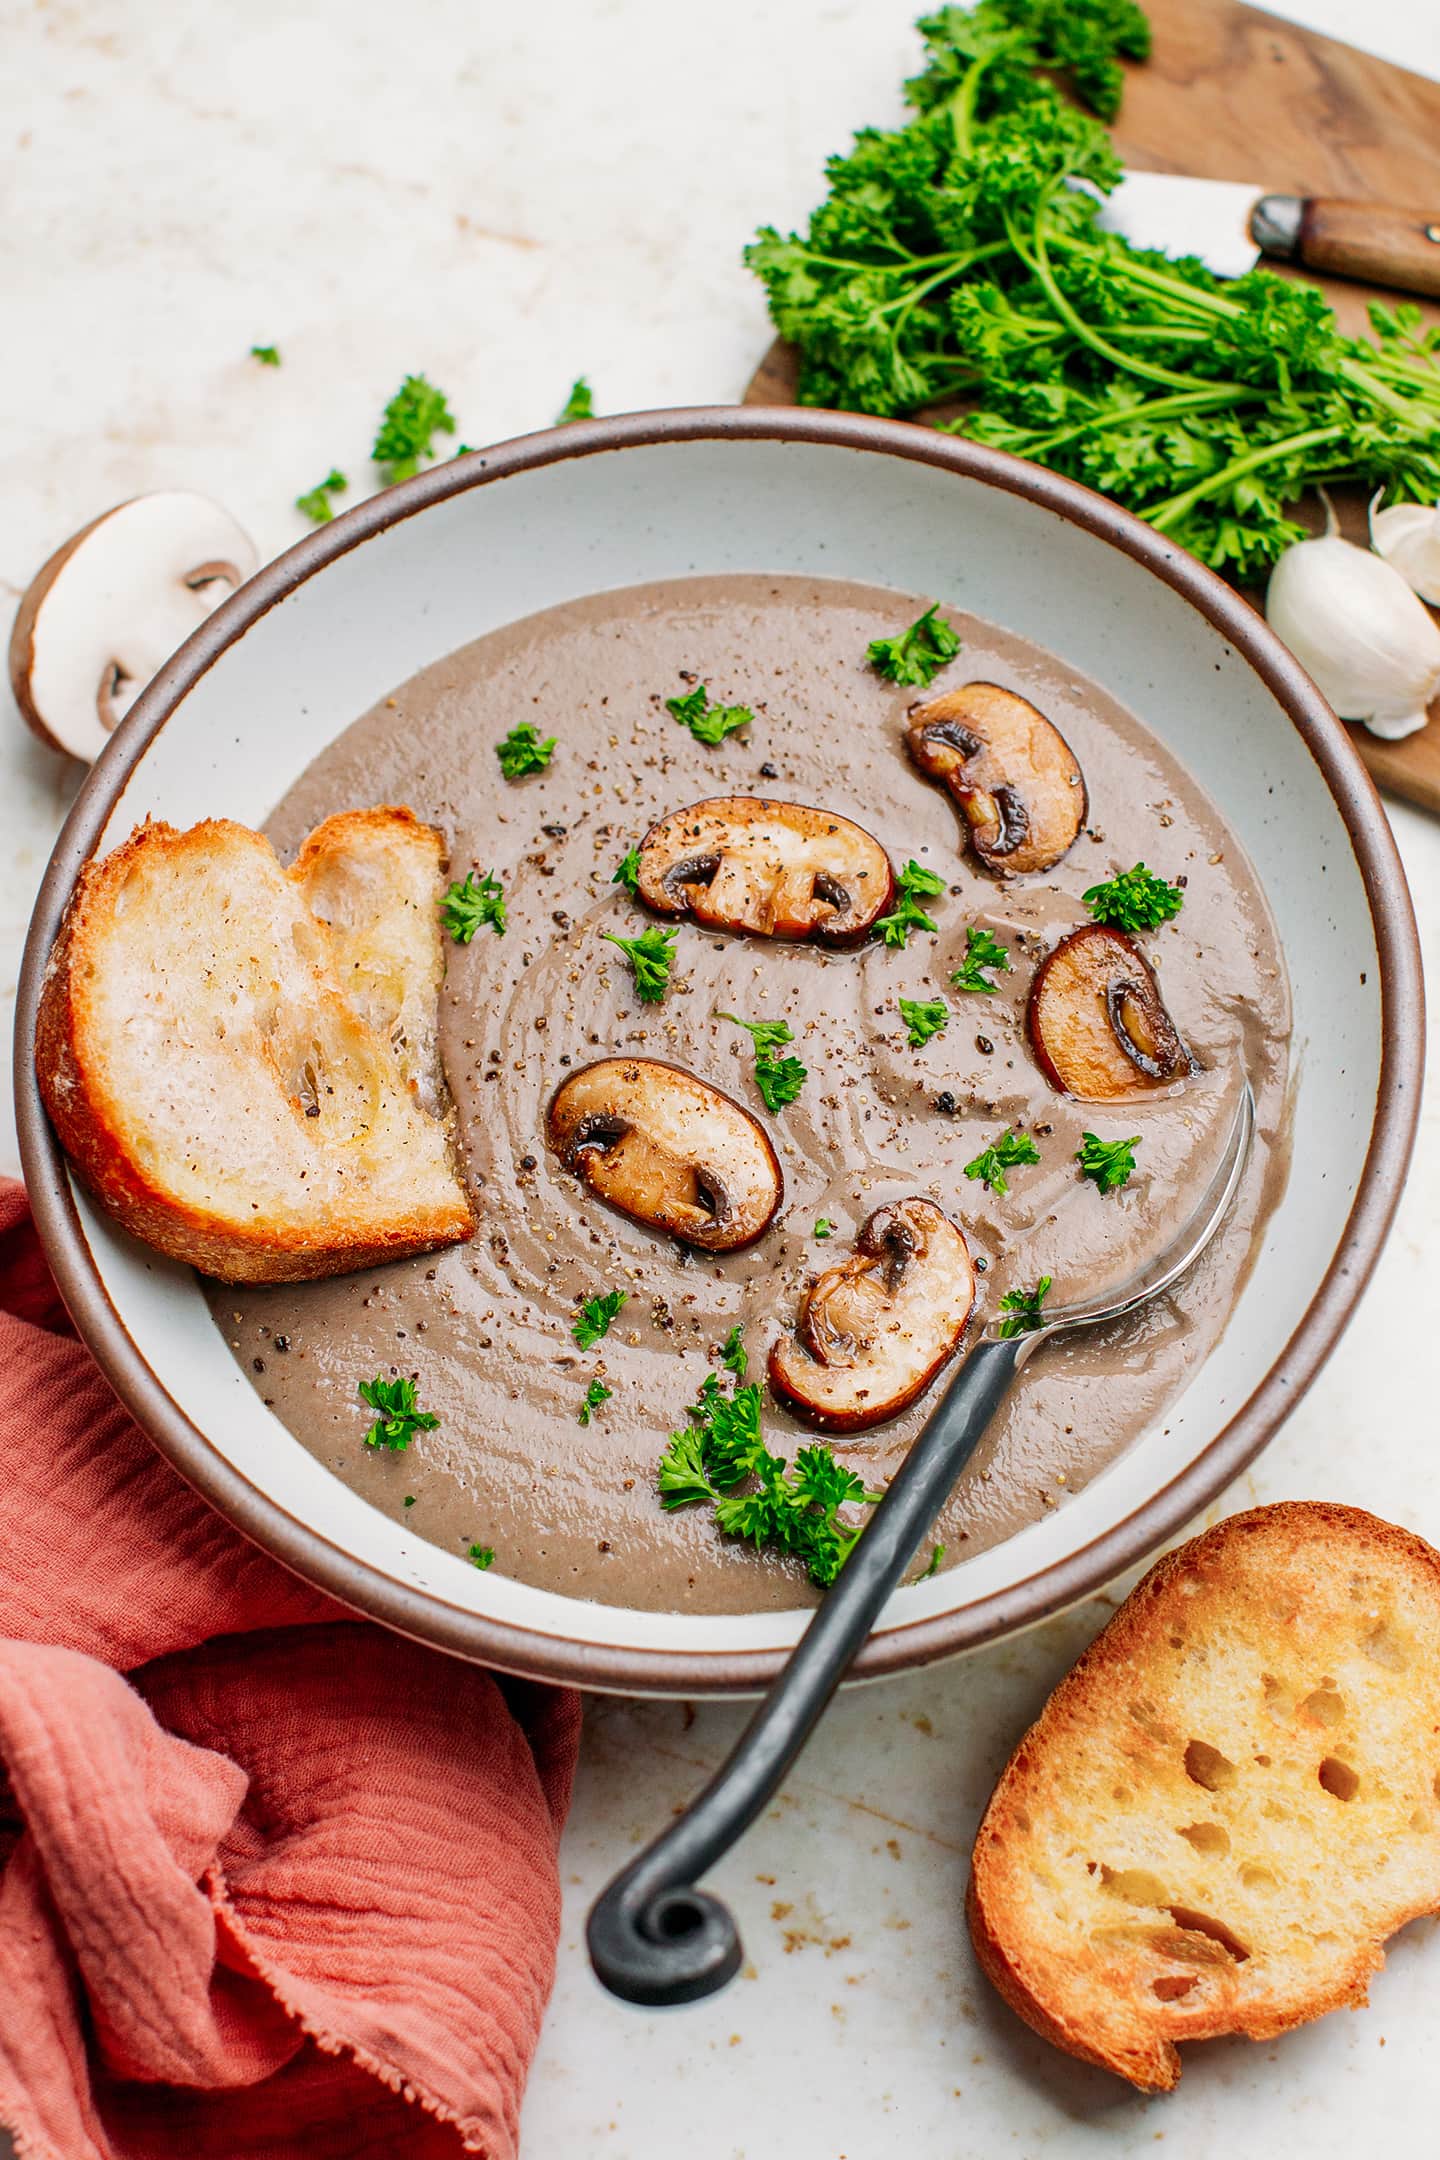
1015,778
769,869
1097,1021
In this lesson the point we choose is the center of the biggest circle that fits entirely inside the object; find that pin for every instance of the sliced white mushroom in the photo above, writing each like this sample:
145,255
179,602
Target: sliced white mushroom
110,607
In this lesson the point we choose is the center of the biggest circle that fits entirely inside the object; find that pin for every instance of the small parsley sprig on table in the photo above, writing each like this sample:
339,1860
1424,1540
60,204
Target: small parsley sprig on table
596,1394
982,952
580,405
794,1510
592,1322
408,426
267,355
778,1079
708,723
467,906
523,752
1108,1163
316,504
1135,900
924,1017
650,956
397,1418
917,655
914,883
1025,1309
1009,1152
627,871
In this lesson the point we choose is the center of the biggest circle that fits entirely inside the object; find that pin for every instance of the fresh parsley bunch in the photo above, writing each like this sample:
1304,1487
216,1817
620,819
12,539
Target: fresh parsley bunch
952,258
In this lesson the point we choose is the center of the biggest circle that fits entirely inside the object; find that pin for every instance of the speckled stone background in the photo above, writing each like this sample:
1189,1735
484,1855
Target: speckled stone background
506,197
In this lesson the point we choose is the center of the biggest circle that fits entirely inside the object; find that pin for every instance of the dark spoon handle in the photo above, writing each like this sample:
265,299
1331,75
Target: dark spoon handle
654,1937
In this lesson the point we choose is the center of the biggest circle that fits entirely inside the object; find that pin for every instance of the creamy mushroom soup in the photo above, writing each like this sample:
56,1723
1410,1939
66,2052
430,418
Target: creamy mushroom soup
486,1329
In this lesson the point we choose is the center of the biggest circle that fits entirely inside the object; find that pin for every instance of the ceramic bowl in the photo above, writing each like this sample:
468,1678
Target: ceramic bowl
360,605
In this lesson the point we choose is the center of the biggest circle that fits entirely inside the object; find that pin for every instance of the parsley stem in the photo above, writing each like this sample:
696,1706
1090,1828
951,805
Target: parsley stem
1039,262
1165,513
1144,412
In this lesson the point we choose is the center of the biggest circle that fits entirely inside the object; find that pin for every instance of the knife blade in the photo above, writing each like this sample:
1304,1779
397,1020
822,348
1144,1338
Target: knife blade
1231,224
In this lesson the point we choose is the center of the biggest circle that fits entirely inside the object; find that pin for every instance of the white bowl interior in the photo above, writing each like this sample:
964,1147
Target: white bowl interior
496,552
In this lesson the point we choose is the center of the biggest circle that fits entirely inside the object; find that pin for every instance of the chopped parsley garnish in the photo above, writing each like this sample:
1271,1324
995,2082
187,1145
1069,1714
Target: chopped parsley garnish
733,1355
409,1499
924,1017
408,426
915,882
580,405
1110,1163
779,1079
465,907
523,752
627,873
317,505
824,1228
397,1420
708,723
1134,901
796,1510
1007,1153
267,355
595,1394
481,1556
650,956
1024,1309
937,1554
982,951
917,654
594,1317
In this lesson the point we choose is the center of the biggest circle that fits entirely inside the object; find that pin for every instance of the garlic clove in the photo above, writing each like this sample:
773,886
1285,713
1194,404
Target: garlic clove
1408,536
1355,625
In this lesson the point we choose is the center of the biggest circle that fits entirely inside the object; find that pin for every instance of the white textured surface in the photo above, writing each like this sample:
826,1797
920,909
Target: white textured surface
507,197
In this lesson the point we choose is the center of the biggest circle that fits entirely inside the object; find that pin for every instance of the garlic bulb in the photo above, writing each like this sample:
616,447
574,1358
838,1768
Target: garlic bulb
1408,536
1352,621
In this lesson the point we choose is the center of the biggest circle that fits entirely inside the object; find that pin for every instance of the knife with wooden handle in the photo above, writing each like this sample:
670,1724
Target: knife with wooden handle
1230,225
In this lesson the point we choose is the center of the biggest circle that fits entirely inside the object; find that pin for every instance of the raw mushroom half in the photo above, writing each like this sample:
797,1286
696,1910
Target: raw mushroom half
110,607
668,1150
774,869
874,1331
1012,773
1098,1023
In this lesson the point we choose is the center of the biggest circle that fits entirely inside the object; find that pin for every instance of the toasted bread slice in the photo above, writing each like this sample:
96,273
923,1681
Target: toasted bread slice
241,1060
1230,1802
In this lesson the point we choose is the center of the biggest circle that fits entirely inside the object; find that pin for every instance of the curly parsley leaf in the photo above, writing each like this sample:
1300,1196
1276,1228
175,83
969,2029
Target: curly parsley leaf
523,752
408,426
267,355
796,1510
594,1317
914,883
1007,1153
823,1229
1024,1309
316,505
1109,1163
397,1418
924,1017
708,723
627,871
580,405
917,654
596,1394
1135,900
650,956
467,906
779,1079
982,952
481,1556
734,1356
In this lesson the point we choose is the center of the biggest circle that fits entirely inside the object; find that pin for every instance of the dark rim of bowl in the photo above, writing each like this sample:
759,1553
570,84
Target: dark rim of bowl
310,1554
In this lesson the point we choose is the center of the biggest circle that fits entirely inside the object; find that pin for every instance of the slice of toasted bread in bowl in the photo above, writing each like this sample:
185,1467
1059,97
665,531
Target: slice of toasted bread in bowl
241,1060
1232,1799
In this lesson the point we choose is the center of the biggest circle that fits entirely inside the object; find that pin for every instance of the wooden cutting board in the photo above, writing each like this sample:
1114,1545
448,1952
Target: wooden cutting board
1233,94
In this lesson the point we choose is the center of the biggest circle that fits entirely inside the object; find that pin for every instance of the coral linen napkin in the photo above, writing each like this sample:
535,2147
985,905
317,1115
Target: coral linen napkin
289,1886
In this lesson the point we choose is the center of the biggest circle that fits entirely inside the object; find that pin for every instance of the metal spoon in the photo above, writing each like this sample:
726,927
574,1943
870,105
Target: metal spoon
655,1937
